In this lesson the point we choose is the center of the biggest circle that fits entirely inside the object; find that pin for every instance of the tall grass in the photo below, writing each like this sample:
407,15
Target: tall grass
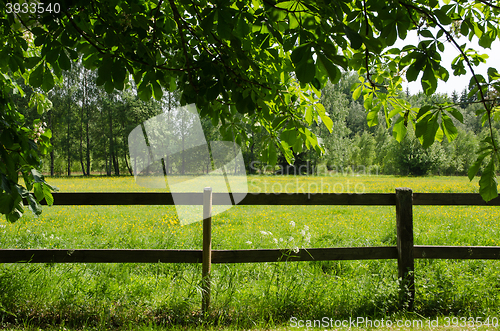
245,295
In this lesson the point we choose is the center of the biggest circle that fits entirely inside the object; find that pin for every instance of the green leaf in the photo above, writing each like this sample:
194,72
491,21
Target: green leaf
34,206
457,114
272,155
448,127
431,132
372,117
144,91
475,167
332,70
290,136
354,37
16,211
442,17
399,130
357,92
38,191
48,80
47,194
32,61
36,76
429,81
157,90
52,55
64,61
305,71
488,182
300,53
6,203
324,117
109,87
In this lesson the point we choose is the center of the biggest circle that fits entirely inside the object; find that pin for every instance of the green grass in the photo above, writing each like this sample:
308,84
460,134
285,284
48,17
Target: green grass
246,296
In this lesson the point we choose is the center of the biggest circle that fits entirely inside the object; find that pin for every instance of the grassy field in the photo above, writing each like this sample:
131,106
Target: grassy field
248,296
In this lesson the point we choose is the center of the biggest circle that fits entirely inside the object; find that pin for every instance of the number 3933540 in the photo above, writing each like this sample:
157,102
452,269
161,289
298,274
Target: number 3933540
32,8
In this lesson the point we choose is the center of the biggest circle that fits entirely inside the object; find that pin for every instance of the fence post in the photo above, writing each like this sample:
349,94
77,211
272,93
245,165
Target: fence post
207,249
406,266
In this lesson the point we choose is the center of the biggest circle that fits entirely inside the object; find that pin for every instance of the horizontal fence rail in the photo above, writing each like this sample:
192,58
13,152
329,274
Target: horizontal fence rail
319,199
405,252
243,255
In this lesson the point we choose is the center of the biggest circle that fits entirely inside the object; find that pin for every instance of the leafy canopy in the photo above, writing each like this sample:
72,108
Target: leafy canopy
264,59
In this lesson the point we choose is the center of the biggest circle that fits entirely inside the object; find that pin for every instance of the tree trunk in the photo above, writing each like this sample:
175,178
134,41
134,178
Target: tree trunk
84,97
52,151
126,163
68,107
112,156
116,165
88,141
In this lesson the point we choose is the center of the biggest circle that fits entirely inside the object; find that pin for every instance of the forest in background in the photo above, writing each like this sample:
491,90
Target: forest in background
90,129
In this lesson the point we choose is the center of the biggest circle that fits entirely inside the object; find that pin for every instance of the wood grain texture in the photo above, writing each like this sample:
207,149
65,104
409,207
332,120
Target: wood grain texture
364,199
404,227
192,256
452,199
457,252
207,250
158,198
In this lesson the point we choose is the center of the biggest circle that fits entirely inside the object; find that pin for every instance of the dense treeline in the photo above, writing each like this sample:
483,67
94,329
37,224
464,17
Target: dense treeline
90,129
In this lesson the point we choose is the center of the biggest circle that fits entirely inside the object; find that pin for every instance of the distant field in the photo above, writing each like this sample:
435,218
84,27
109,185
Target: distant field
249,294
262,184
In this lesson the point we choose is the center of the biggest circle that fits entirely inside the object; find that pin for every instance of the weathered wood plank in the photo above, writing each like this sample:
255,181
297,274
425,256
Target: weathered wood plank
99,256
404,227
452,199
311,254
207,250
192,256
365,199
457,252
241,256
159,198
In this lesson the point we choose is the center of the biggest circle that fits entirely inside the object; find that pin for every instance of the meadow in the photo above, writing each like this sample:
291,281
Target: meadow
263,295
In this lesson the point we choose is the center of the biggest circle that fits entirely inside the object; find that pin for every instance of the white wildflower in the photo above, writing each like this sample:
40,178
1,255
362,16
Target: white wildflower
292,224
275,240
248,242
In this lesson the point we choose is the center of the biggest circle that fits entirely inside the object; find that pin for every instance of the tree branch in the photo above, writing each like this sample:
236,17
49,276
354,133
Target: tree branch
484,101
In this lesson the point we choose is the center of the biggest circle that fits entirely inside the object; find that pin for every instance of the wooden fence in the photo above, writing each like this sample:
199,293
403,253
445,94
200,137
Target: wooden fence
405,252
